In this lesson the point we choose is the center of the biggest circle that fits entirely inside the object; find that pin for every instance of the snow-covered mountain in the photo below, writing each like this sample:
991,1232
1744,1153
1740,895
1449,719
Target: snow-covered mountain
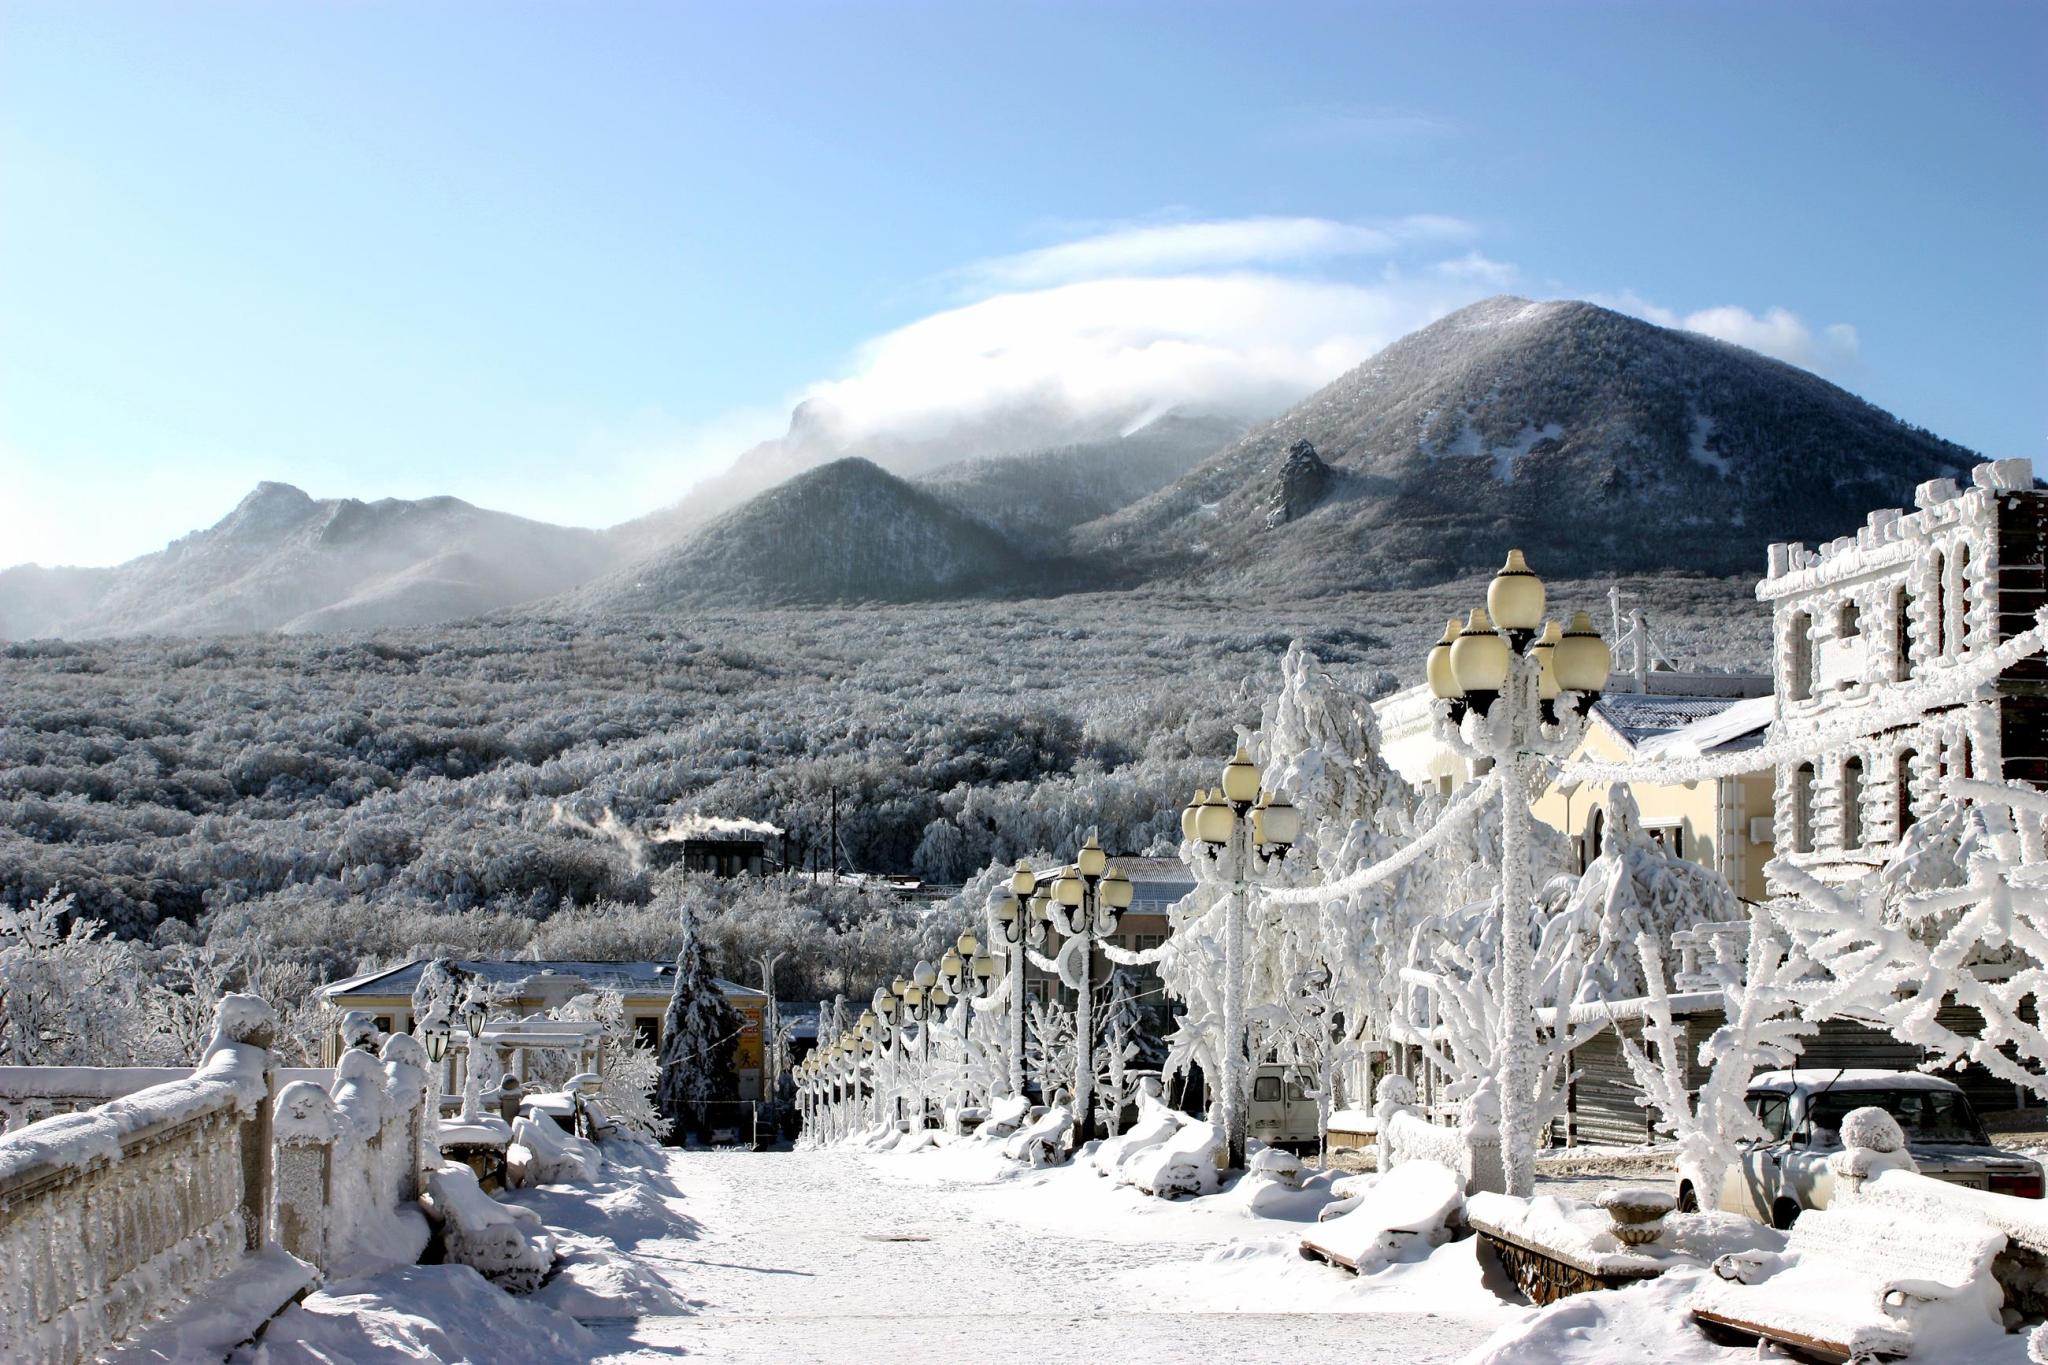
1050,491
282,560
818,436
1594,440
848,531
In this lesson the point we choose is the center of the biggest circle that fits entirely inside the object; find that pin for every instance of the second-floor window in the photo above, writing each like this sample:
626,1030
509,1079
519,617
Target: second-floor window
1802,808
1902,633
1798,659
1852,803
1902,793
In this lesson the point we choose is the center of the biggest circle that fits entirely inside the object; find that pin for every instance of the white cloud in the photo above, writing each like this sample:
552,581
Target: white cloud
1216,245
1777,332
1245,340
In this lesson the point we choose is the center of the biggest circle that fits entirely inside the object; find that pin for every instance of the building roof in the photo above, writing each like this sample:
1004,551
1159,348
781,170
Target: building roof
637,978
1645,719
1738,726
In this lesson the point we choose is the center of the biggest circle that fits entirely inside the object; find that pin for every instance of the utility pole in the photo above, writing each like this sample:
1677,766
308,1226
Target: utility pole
833,851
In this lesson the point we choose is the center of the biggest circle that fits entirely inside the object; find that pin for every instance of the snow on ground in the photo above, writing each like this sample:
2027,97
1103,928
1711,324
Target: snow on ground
955,1254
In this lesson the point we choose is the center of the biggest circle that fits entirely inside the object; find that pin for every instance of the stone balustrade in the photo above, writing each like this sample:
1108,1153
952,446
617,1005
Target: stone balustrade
125,1213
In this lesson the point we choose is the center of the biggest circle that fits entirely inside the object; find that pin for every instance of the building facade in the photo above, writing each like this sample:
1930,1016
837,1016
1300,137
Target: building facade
521,989
1904,601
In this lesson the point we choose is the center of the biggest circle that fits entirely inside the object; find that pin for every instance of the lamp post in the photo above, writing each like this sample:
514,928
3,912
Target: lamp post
1238,825
970,975
1089,899
1018,927
884,1012
476,1012
433,1030
1497,680
925,997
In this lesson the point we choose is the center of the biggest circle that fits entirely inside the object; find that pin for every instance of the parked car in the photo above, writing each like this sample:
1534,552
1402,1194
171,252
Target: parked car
1785,1173
1283,1113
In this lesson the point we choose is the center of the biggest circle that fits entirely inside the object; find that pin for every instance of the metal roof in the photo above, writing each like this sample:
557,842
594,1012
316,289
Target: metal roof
1639,717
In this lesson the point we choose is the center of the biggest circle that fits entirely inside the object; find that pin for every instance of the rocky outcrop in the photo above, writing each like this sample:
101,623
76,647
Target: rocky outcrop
1304,478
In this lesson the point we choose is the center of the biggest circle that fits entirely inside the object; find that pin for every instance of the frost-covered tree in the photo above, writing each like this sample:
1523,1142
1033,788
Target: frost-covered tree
69,996
1959,916
1762,1031
699,1038
1049,1047
1636,891
628,1070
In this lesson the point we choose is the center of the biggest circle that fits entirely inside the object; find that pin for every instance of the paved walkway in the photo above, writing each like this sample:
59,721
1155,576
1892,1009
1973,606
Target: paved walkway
831,1256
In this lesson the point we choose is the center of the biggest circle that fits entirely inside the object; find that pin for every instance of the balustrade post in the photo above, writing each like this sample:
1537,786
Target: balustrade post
306,1129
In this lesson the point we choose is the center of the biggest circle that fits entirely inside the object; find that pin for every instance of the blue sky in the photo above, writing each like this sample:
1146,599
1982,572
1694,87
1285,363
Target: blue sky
566,259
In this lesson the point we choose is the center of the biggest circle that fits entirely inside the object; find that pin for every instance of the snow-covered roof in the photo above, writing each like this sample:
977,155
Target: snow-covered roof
699,826
1641,718
1739,725
637,978
1849,1078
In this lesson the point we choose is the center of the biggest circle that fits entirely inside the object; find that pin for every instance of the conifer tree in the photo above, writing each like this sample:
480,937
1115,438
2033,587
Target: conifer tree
699,1038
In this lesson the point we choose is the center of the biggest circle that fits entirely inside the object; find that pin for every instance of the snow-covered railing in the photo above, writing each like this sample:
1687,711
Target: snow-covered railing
29,1094
113,1217
349,1157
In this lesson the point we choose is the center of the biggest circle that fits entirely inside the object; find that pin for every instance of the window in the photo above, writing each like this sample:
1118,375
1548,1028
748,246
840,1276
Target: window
1294,1090
1852,803
1266,1089
1939,617
1596,834
1802,808
1771,1111
1846,621
647,1030
1145,943
1799,656
1902,793
1902,634
383,1023
1671,838
1959,599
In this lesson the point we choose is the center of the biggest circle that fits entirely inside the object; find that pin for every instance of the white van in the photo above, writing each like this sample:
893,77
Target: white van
1283,1112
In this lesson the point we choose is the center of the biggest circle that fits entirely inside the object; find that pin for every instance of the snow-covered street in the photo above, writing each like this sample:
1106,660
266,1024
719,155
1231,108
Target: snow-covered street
835,1255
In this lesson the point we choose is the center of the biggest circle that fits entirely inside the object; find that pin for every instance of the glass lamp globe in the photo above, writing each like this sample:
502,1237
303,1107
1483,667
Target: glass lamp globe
968,944
1041,905
1515,596
1479,657
1277,823
1067,888
1241,780
1023,881
1214,822
1091,860
1005,907
1443,681
1189,814
1117,890
1581,659
898,987
924,974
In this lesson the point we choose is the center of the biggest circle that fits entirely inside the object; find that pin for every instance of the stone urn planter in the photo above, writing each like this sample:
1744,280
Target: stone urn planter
1638,1214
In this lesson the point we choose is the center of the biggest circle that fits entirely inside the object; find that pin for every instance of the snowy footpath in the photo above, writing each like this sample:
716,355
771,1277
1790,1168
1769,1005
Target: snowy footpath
837,1256
956,1255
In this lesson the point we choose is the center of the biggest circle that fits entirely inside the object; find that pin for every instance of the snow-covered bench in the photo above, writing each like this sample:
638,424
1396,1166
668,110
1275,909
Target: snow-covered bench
505,1243
1858,1283
1044,1140
1401,1211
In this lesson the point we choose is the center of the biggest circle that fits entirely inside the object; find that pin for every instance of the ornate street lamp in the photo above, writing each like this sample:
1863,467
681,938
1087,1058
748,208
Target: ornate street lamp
1497,685
1019,928
1242,829
476,1012
1088,900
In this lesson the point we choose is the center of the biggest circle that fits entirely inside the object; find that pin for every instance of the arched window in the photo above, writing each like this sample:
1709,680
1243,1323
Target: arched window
1938,618
1799,656
1596,834
1852,803
1802,808
1902,633
1959,600
1903,814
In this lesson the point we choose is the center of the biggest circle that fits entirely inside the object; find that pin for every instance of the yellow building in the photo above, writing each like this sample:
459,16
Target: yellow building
524,988
1725,824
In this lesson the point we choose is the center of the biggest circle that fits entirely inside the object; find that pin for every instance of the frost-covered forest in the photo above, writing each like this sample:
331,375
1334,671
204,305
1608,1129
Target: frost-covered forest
316,805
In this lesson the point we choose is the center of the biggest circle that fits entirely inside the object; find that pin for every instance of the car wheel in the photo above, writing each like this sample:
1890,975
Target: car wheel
1784,1214
1688,1201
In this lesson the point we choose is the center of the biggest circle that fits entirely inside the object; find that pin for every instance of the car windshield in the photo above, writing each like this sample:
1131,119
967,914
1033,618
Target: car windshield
1925,1115
1266,1089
